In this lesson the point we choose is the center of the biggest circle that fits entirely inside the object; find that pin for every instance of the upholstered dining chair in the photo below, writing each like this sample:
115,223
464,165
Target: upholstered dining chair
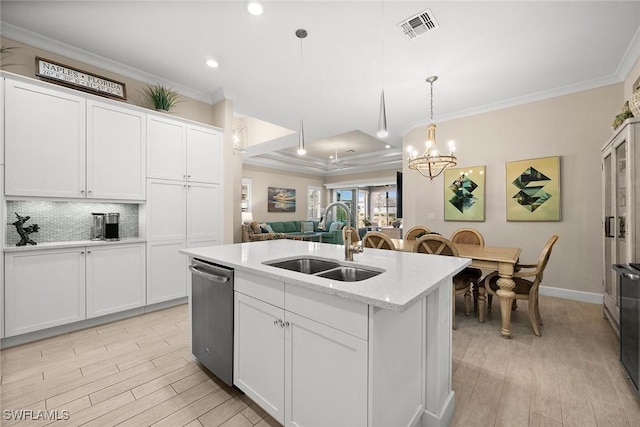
414,231
437,245
524,289
355,237
378,240
470,236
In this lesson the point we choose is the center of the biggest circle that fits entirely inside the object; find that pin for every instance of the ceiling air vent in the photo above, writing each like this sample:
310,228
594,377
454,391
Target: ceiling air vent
418,24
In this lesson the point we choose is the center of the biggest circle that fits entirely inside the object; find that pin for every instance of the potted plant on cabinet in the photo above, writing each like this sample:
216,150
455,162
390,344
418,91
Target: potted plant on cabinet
162,97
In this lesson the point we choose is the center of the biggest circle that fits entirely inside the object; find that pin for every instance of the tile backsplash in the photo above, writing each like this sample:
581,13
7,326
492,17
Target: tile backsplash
67,221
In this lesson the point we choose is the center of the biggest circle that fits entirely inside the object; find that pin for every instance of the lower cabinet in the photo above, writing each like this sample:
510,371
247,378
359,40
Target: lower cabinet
43,289
115,279
301,371
166,271
47,288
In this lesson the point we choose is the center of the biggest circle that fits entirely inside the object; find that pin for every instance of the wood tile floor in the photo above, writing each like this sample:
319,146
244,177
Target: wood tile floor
139,372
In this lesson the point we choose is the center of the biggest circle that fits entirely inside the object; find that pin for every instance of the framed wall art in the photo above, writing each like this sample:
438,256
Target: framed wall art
281,199
533,189
464,194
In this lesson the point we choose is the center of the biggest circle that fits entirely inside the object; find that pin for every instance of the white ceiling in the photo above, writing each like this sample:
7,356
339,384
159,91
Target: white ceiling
487,55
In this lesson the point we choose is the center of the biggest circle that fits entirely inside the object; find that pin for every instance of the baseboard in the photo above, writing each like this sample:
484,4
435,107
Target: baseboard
430,419
581,296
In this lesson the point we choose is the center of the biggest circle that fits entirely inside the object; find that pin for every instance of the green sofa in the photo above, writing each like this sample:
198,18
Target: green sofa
282,228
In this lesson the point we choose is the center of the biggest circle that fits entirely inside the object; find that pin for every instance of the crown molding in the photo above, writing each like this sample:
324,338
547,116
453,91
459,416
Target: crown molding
631,56
39,41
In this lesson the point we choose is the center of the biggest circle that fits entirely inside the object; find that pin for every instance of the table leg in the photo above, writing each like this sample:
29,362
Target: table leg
481,303
506,296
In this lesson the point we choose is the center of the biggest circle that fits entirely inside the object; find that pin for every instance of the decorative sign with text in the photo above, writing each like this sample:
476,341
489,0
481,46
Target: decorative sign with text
77,79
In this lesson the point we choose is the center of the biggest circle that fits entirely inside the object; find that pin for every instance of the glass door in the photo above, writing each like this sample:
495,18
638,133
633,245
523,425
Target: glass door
610,298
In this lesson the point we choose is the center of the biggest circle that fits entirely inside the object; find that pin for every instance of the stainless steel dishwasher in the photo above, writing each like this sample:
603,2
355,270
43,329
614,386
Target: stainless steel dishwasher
212,317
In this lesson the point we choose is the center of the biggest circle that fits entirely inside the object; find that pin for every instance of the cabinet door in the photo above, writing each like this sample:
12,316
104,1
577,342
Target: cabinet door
166,214
116,154
322,361
203,154
43,289
115,279
166,271
44,142
166,148
258,364
203,211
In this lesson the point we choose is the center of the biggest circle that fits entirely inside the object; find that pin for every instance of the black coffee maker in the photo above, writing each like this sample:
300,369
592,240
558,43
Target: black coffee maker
112,226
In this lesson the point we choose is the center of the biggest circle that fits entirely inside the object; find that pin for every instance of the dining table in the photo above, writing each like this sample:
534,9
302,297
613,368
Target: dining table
497,258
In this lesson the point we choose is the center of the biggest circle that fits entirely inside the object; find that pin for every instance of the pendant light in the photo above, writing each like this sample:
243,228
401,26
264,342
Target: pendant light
301,34
431,163
382,116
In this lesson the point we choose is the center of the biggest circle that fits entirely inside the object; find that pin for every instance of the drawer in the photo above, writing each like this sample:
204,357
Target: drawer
262,288
337,312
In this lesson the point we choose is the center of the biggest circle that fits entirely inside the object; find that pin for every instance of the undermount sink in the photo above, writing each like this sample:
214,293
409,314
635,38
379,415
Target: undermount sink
305,265
348,274
326,269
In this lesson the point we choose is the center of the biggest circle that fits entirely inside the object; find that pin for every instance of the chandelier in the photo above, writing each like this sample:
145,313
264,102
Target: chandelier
431,163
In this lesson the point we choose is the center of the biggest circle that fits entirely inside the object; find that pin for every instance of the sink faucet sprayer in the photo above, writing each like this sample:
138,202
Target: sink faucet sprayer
348,249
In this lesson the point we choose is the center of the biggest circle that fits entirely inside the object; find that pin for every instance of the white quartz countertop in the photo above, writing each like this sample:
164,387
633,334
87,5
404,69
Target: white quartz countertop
73,244
406,279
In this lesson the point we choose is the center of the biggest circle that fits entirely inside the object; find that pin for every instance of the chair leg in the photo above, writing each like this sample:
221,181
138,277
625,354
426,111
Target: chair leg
538,311
475,295
489,301
467,303
532,316
481,304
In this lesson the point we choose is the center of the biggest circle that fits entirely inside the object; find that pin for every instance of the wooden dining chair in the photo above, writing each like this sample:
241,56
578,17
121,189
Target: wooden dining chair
377,240
355,237
414,231
470,236
524,289
437,245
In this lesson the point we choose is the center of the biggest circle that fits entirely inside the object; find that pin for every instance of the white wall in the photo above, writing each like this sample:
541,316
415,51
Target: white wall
574,127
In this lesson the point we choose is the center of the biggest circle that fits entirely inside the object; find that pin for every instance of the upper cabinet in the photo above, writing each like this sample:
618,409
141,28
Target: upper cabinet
116,155
181,151
58,144
44,141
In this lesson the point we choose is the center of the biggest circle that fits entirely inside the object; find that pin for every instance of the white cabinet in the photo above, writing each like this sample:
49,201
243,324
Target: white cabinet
43,289
259,353
166,271
621,202
115,278
44,141
183,201
59,144
295,366
116,153
182,151
52,287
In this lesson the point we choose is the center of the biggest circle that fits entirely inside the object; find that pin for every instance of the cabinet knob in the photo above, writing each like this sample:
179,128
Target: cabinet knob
275,322
188,176
82,191
286,324
81,252
206,350
88,252
89,191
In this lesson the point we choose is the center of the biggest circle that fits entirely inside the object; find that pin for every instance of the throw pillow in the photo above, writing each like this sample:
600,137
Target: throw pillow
306,227
335,226
255,227
263,228
269,229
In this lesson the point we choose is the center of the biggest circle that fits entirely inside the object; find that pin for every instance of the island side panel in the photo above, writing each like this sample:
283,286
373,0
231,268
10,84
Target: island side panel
396,367
439,396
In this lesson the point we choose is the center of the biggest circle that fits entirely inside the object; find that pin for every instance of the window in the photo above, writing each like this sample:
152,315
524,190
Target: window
384,206
314,198
245,195
363,204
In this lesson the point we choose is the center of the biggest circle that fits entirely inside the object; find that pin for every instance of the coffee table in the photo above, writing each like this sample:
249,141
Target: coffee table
304,236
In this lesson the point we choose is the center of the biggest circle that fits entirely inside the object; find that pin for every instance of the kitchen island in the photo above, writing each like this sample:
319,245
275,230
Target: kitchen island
317,351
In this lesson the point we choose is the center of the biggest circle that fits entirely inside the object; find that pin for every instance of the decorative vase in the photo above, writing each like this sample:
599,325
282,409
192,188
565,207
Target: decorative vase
634,103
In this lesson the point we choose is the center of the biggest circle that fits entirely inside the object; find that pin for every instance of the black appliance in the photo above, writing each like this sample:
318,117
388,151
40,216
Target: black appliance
629,278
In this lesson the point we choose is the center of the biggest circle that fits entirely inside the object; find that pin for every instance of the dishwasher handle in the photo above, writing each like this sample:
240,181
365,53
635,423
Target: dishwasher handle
214,277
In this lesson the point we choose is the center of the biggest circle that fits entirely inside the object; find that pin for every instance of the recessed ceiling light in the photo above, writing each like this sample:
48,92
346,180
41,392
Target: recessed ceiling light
387,146
254,8
212,63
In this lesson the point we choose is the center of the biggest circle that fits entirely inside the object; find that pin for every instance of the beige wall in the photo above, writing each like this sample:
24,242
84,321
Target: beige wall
574,127
261,178
21,60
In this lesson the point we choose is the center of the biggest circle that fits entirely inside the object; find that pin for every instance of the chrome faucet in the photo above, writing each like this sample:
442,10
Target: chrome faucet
349,250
